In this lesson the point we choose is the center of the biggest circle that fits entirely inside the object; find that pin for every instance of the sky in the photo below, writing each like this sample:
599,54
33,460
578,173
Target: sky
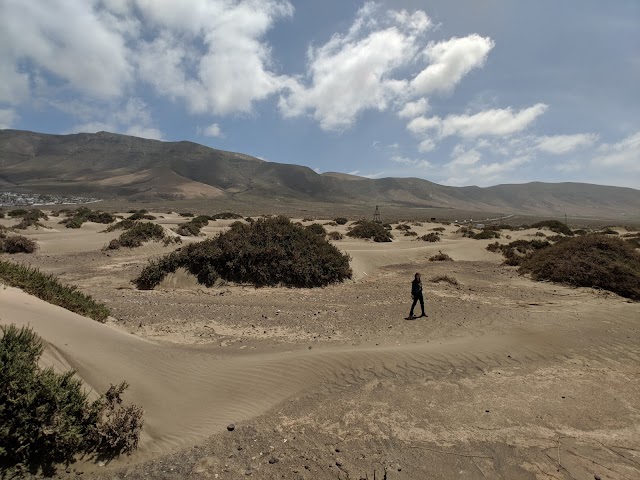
458,92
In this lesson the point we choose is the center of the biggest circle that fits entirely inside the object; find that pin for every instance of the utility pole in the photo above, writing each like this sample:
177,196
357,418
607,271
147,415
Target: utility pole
376,215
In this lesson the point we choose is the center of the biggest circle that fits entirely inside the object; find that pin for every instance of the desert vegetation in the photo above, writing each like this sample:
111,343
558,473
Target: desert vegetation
515,252
553,225
49,289
317,229
139,233
340,220
29,218
270,251
430,237
335,235
192,227
370,230
83,214
46,418
445,278
596,261
140,215
440,257
16,244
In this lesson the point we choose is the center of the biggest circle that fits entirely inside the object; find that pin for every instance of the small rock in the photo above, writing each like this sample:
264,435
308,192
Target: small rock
597,477
273,460
231,427
338,463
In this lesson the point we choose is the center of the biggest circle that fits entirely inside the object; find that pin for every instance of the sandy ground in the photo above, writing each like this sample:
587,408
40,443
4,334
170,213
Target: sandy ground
506,378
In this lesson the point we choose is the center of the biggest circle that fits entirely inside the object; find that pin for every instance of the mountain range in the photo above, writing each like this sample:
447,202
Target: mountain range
113,166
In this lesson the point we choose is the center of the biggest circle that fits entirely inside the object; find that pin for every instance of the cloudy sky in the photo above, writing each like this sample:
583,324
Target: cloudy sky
460,92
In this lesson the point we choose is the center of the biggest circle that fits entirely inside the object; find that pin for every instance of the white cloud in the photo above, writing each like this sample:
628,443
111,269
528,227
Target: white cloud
624,156
426,145
499,121
7,117
414,109
373,175
67,38
352,73
129,118
212,130
450,60
560,144
145,132
462,157
412,162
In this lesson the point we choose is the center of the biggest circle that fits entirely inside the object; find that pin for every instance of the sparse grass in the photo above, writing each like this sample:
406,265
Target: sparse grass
48,288
46,418
270,251
225,216
140,215
580,231
410,233
485,234
370,230
445,278
403,227
596,261
430,237
440,257
186,214
438,229
335,236
125,224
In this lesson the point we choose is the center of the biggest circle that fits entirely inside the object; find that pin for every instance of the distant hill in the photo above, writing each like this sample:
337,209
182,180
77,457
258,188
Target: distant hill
111,166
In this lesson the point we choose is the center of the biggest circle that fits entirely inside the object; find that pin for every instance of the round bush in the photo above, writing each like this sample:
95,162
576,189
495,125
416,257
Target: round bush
341,220
372,230
17,244
589,261
270,251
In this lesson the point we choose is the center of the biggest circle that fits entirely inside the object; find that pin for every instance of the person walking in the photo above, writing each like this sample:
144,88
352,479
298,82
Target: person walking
416,295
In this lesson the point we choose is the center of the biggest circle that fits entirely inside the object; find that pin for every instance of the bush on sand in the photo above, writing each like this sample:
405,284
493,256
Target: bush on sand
370,230
139,233
440,257
46,418
17,244
270,251
596,261
48,288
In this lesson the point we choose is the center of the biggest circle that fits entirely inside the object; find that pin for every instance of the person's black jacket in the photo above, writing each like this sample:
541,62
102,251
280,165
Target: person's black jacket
416,288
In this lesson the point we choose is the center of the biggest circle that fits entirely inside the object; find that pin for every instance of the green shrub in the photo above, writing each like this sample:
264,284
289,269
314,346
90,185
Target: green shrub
125,224
49,289
410,233
580,231
417,224
588,261
515,252
140,215
555,226
139,233
186,214
46,418
1,214
270,251
226,216
316,229
30,218
438,229
485,234
608,231
371,230
17,244
440,257
403,227
430,237
192,227
17,212
341,220
84,214
335,236
633,241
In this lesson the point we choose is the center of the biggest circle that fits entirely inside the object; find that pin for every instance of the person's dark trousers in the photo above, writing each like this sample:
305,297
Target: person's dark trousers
417,298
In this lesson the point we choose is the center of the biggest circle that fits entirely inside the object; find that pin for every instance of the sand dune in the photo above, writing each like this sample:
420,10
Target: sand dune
189,393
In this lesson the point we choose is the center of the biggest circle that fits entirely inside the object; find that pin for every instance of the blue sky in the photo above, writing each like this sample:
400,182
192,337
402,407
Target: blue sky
459,92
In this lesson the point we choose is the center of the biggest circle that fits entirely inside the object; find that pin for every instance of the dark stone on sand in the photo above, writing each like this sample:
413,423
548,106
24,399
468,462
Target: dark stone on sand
231,427
273,460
